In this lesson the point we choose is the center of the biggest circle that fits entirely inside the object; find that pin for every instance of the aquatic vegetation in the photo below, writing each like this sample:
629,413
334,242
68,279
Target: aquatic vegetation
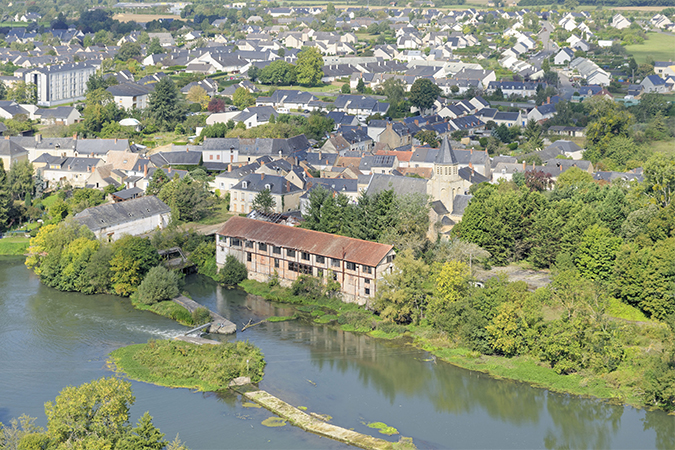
274,422
382,428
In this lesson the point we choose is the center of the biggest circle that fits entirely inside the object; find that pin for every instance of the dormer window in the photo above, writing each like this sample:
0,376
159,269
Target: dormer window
268,187
244,184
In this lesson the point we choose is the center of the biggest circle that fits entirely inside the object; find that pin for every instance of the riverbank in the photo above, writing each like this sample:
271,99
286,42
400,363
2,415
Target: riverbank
621,385
14,246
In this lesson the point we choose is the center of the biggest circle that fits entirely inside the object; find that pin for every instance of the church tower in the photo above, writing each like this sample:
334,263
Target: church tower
446,182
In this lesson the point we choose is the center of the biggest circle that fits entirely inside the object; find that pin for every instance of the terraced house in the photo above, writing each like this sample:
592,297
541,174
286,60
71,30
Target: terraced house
268,248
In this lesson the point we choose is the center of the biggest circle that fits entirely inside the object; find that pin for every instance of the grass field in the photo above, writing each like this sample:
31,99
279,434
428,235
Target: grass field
660,47
665,147
128,17
13,246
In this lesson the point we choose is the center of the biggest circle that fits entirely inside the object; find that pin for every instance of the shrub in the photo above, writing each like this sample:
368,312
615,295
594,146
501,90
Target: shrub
359,319
233,272
307,286
158,285
391,328
201,315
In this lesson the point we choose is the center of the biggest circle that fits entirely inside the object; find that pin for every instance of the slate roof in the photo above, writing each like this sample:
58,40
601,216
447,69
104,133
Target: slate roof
401,185
471,175
128,90
111,214
256,183
11,149
459,204
314,242
187,158
445,155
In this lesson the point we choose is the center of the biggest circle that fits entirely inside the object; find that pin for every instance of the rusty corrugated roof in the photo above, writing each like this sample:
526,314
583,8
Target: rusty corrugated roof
316,242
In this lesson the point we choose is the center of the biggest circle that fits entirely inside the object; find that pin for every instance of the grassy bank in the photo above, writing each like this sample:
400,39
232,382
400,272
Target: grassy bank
168,309
622,384
14,246
180,364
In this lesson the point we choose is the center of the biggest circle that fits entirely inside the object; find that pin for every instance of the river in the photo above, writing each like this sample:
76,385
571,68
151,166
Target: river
50,339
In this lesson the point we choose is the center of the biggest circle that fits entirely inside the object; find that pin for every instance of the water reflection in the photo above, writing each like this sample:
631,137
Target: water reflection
663,425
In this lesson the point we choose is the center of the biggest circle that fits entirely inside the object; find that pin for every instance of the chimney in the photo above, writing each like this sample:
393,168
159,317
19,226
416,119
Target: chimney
548,100
229,168
523,165
288,186
472,150
532,165
75,136
38,138
169,169
7,137
417,122
471,166
319,155
115,140
145,171
262,176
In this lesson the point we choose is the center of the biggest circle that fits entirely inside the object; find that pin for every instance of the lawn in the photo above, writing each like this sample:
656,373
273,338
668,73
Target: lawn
665,147
660,47
219,214
13,245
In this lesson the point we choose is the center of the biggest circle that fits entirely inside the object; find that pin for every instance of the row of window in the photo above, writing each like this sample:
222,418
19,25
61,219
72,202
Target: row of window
305,256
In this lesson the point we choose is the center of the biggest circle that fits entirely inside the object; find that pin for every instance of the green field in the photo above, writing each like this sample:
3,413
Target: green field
660,47
13,245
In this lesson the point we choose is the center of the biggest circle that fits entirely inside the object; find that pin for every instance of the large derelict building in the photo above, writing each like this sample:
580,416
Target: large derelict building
267,248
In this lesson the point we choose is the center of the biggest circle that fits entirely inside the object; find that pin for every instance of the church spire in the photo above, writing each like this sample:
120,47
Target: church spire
445,154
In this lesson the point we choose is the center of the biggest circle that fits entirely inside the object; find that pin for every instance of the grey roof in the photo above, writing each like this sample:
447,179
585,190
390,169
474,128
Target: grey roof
60,112
100,146
187,158
128,193
128,90
401,185
439,208
460,203
111,214
75,164
370,161
257,183
471,175
9,148
445,154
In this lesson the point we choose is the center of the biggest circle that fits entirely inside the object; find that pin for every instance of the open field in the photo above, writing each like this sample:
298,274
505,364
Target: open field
660,47
665,147
128,17
15,245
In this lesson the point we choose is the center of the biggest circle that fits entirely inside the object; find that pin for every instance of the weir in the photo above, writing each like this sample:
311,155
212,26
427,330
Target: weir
218,325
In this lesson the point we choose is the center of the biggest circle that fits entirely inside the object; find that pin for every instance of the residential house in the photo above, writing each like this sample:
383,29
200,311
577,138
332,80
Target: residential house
61,115
130,95
11,153
133,217
285,194
653,83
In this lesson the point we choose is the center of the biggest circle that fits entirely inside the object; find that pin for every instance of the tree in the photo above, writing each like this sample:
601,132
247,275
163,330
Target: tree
423,93
278,73
403,293
133,257
660,178
596,252
164,104
158,180
532,135
310,67
607,122
394,89
158,285
345,89
264,202
128,50
546,65
573,177
451,285
22,92
93,415
197,94
233,272
360,86
20,179
216,105
330,9
428,137
537,180
189,199
242,98
155,48
144,436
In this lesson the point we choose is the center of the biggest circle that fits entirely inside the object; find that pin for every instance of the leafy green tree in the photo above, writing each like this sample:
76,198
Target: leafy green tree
233,272
278,73
133,257
158,180
608,122
345,89
97,272
423,93
99,110
155,48
242,98
573,177
596,253
164,104
451,284
158,285
264,202
144,436
394,89
532,135
403,294
85,198
428,137
6,202
660,178
93,414
189,199
310,67
22,92
318,125
128,50
197,94
360,86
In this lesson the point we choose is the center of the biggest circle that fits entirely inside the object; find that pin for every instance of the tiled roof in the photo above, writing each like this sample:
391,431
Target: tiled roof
315,242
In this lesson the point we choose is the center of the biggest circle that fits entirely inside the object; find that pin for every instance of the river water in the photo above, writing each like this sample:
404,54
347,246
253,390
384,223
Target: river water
51,339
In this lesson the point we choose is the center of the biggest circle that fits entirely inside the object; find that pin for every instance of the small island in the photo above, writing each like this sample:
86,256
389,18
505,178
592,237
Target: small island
178,364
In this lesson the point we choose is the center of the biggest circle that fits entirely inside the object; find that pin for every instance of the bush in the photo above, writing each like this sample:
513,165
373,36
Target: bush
233,272
391,328
201,315
359,319
158,285
307,286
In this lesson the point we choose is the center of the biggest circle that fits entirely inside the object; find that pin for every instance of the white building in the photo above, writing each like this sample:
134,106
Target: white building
56,85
